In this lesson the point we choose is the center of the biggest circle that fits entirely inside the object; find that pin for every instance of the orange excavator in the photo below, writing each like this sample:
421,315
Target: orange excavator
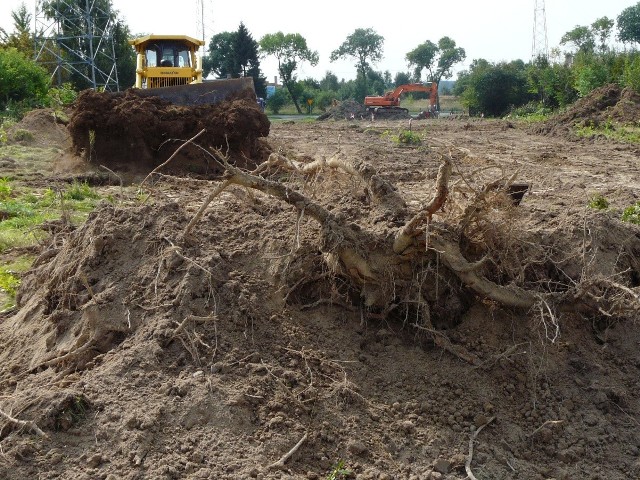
389,103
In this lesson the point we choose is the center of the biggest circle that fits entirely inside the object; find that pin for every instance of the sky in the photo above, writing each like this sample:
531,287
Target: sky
496,30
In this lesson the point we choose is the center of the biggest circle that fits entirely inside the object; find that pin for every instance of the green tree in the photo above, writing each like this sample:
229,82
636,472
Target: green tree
553,84
290,50
366,46
590,74
581,37
438,59
20,38
631,75
330,82
629,24
124,54
402,78
602,29
423,58
246,51
492,89
23,84
235,54
220,59
450,54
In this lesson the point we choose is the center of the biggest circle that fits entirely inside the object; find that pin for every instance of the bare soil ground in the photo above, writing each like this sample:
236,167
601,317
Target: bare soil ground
139,354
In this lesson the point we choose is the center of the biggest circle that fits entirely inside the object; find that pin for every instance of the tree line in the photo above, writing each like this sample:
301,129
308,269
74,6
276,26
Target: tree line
491,88
586,59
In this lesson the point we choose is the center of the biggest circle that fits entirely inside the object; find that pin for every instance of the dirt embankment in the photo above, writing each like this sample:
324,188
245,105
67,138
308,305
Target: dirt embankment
609,103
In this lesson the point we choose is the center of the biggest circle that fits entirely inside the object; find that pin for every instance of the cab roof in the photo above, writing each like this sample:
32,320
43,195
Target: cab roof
141,42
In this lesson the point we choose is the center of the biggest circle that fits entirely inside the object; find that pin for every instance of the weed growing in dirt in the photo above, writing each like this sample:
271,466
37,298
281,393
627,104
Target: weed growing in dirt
339,472
632,214
80,191
407,137
404,137
5,188
22,135
10,280
598,202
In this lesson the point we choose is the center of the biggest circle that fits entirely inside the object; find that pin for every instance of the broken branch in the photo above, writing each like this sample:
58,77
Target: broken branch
280,463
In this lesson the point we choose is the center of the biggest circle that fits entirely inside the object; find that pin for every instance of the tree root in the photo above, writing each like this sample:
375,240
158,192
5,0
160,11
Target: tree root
280,463
23,424
474,435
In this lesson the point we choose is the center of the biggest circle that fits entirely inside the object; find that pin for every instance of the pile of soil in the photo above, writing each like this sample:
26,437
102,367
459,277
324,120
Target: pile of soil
142,353
41,128
125,131
609,103
346,110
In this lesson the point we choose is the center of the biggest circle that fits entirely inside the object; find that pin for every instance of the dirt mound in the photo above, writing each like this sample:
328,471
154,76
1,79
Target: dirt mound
126,131
609,103
346,110
41,127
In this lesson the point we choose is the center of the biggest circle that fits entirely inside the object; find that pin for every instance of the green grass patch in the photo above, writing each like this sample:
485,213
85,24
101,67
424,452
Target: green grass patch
22,211
610,130
80,191
21,152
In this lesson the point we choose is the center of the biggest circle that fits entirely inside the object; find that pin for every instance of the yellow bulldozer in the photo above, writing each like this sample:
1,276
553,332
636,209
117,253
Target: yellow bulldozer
169,66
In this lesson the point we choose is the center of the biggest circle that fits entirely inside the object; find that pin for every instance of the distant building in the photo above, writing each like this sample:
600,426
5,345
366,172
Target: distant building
271,87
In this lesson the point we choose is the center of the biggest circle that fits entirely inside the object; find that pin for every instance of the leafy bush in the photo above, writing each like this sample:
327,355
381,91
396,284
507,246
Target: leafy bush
23,84
278,100
598,202
631,73
632,214
59,97
407,137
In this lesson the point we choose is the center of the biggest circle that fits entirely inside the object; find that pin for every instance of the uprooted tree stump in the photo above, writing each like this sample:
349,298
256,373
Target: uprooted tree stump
424,271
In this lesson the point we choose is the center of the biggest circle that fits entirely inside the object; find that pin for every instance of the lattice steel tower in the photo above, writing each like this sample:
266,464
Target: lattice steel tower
75,38
540,41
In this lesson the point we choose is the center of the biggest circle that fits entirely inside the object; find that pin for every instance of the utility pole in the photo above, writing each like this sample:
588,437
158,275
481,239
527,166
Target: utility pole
540,48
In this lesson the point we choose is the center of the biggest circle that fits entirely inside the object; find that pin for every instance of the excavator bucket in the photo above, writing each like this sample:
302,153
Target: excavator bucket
205,93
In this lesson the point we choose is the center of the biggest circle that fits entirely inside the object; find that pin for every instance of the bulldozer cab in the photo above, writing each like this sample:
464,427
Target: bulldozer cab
167,60
167,54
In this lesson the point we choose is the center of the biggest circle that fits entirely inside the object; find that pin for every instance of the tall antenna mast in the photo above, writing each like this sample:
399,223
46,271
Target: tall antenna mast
540,48
200,17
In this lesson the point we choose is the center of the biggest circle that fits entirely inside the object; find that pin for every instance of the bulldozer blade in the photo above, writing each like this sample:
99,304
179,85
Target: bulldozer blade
206,93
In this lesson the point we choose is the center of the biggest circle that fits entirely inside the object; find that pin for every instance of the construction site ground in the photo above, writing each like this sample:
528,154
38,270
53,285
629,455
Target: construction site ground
141,357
